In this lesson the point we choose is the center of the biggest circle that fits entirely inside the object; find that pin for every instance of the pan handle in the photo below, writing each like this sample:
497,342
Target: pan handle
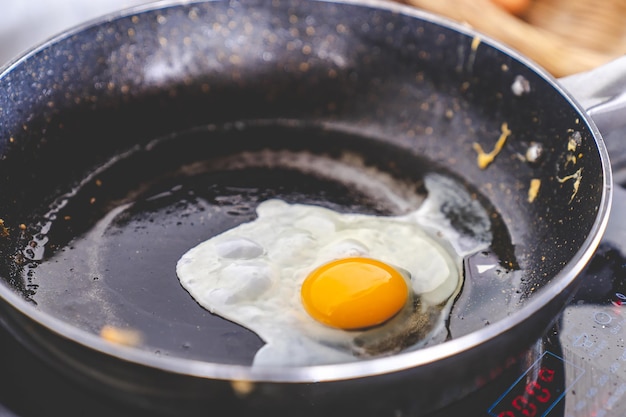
602,92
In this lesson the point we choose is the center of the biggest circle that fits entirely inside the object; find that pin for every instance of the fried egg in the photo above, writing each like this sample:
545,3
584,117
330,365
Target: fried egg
322,287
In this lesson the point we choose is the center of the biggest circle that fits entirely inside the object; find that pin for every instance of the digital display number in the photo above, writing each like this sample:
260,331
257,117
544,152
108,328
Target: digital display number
536,392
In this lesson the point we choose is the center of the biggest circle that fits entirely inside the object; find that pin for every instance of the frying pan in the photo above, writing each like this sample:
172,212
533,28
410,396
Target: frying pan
127,141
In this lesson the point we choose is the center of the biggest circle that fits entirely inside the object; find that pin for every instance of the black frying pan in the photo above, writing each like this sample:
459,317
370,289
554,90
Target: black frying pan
128,141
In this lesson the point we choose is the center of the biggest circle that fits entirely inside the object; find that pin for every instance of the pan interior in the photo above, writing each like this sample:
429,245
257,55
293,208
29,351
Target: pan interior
103,254
93,240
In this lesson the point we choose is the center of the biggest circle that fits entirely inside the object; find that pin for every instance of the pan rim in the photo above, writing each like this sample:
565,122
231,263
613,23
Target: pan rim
336,372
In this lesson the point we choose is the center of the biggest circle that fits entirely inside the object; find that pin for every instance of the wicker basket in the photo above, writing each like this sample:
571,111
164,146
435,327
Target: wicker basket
563,36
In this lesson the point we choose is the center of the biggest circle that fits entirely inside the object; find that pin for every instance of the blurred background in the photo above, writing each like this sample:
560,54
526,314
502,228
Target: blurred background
24,24
563,36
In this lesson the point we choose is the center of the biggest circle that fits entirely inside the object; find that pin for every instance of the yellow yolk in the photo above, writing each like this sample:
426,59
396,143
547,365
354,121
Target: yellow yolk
354,293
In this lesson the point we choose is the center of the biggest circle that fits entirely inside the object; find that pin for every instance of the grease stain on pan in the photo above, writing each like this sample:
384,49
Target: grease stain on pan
349,169
121,336
571,157
4,231
533,189
484,159
577,178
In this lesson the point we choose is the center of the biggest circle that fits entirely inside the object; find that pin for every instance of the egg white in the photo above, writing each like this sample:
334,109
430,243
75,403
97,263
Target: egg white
252,275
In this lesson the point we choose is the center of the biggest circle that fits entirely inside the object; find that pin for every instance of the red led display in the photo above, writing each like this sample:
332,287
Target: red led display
535,393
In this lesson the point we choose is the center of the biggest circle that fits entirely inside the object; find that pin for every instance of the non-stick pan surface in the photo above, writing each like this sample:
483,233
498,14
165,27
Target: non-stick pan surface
129,141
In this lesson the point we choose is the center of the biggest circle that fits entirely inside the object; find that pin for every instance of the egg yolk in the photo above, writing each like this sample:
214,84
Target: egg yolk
354,293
